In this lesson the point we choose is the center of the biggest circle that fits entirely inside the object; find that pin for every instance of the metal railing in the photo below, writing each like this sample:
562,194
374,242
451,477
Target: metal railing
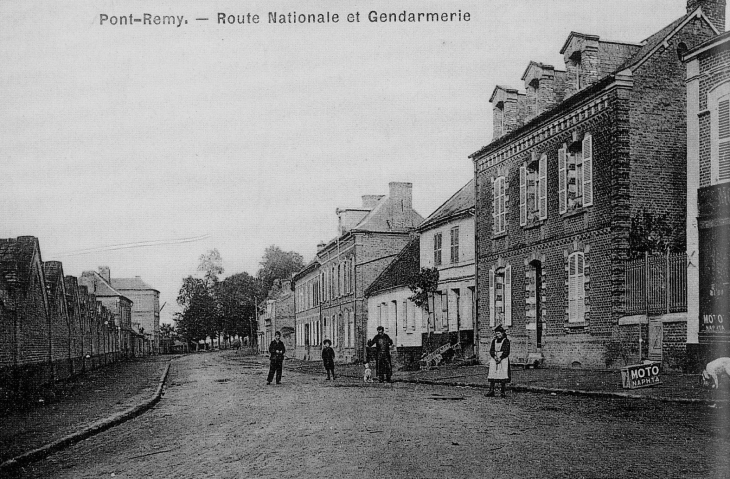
656,284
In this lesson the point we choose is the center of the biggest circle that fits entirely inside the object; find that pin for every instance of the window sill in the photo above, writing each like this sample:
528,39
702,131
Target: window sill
577,325
534,224
575,212
499,235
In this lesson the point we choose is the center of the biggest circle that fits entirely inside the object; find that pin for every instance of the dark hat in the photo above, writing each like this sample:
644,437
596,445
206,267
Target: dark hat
327,341
499,329
380,328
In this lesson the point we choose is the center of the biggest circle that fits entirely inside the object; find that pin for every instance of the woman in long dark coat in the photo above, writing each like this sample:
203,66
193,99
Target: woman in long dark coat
499,370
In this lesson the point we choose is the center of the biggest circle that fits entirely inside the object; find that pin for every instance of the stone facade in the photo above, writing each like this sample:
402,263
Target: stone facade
368,239
145,308
708,198
556,195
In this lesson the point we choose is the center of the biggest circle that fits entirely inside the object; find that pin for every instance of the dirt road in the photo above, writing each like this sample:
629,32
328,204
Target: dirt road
219,419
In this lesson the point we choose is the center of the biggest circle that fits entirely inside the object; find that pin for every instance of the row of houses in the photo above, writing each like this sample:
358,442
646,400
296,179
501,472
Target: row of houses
54,326
594,230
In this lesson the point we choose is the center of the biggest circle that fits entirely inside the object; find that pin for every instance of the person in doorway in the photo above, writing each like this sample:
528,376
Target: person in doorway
277,350
382,343
328,358
499,370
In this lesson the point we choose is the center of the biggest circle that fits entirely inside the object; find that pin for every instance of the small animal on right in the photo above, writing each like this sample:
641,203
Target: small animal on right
714,370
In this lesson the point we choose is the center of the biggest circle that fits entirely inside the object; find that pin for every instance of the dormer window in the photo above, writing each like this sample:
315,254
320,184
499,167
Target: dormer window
575,174
575,61
500,119
535,89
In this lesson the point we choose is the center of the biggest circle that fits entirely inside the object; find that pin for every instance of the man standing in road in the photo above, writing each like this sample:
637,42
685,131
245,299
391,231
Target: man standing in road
277,350
382,343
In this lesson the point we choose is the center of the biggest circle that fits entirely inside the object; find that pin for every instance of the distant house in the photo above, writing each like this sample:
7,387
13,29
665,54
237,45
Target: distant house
447,243
276,313
389,305
120,306
145,307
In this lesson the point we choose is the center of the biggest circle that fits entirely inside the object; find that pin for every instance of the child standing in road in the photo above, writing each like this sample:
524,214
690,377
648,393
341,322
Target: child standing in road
328,357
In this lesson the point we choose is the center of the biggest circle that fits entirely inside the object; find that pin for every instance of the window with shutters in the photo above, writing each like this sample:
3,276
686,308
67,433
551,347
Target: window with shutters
454,245
500,296
720,115
499,213
437,249
533,191
575,174
576,288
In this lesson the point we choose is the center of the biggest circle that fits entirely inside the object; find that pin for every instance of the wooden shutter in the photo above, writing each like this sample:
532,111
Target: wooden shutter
571,288
542,187
588,170
580,288
523,195
495,207
507,296
491,297
723,139
562,181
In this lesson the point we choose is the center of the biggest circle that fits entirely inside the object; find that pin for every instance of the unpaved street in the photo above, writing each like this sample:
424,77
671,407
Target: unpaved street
219,419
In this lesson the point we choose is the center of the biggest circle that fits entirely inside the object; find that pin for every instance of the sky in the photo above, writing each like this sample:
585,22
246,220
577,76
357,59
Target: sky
141,147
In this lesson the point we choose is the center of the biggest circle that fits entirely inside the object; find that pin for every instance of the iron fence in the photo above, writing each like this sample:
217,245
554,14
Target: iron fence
656,284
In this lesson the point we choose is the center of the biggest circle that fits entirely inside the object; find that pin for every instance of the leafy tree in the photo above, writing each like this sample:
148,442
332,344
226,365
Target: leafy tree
167,330
278,264
424,285
655,233
238,295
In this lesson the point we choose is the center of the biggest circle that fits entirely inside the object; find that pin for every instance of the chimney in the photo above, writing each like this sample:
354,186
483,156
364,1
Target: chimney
348,218
369,201
104,273
401,193
713,9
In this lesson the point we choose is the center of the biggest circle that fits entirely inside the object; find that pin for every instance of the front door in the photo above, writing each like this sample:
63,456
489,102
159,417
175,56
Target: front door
656,336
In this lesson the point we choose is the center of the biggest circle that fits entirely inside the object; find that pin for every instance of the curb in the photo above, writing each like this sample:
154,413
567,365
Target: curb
88,431
568,392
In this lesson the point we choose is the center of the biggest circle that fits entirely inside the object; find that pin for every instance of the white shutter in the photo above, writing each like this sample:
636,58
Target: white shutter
588,170
542,187
562,181
495,205
571,288
723,139
523,196
491,297
580,288
502,205
507,296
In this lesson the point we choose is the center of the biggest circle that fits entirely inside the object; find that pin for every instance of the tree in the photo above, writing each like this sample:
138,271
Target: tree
238,295
199,316
168,331
278,264
655,233
423,285
211,264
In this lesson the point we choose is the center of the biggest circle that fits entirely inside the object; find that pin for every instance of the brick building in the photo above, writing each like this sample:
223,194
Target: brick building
145,308
708,198
448,243
120,306
389,306
276,313
573,160
368,239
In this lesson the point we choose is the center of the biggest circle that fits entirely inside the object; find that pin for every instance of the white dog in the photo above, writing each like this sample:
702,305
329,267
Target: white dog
368,376
713,371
